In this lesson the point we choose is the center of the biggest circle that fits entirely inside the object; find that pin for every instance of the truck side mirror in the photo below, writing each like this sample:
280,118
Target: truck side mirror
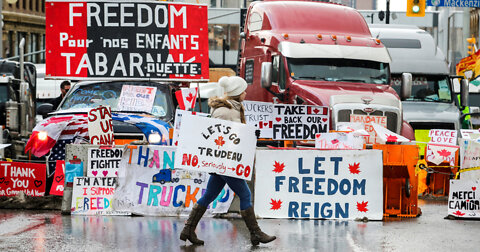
464,93
406,89
44,109
266,75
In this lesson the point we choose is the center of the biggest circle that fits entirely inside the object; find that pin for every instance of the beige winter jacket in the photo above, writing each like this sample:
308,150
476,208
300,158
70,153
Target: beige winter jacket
225,109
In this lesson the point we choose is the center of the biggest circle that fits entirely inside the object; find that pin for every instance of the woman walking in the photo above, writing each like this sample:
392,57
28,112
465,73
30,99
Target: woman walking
228,108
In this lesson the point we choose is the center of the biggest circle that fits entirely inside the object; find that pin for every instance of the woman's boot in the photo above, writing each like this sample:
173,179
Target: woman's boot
188,231
256,234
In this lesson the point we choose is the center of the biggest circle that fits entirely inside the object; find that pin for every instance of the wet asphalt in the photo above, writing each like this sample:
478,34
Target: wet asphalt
22,230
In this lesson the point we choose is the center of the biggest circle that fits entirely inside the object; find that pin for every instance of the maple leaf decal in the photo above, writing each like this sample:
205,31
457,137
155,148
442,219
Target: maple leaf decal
444,153
219,141
354,168
278,167
391,138
362,207
458,213
189,97
276,204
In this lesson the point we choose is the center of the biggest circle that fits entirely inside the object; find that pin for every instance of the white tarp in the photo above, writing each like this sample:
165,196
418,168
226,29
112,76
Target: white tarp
340,184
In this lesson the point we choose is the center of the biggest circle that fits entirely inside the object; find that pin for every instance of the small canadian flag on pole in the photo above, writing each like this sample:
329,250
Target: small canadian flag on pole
186,98
386,135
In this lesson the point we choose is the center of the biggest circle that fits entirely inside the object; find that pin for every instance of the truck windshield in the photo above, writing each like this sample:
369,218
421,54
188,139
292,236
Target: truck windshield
341,70
427,88
109,93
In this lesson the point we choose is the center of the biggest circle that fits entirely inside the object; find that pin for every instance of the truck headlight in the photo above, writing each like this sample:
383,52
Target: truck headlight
154,138
42,135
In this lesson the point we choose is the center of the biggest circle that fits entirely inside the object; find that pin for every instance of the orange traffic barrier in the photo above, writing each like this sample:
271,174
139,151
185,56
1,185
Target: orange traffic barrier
400,182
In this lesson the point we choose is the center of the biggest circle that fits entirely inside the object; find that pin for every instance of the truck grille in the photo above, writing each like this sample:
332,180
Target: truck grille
392,117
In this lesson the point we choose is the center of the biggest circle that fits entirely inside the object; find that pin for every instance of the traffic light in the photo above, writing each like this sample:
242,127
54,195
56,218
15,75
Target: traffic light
416,8
472,47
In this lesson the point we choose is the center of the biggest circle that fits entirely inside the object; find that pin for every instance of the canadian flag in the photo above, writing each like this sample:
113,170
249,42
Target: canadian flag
386,135
440,153
45,134
186,98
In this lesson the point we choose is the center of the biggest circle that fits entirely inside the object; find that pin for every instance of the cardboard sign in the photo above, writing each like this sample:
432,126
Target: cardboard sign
136,98
93,196
441,136
126,40
470,133
312,184
367,120
178,122
218,146
100,126
148,184
464,198
260,115
470,159
103,162
299,122
339,141
58,179
16,177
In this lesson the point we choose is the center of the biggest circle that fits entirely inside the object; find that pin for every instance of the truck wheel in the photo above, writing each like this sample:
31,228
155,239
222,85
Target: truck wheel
407,188
195,181
176,179
199,181
162,181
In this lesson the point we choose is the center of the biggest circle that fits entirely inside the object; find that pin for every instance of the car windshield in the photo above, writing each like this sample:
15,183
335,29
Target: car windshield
133,97
427,88
340,70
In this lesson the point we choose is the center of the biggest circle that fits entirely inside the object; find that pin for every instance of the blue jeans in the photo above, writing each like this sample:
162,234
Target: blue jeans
216,184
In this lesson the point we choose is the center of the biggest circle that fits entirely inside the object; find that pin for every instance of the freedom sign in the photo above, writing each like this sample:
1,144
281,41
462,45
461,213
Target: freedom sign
103,162
313,184
215,145
260,115
16,177
299,122
148,184
464,198
126,40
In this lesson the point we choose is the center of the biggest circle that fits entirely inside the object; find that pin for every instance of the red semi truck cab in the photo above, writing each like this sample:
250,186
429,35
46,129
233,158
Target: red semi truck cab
314,53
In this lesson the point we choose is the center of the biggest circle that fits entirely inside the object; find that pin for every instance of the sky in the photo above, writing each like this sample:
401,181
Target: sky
395,5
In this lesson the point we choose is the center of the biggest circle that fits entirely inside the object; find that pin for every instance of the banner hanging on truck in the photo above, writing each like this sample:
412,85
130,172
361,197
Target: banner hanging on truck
313,184
126,40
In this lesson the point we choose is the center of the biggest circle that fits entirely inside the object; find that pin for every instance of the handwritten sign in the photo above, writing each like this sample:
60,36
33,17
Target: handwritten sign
367,121
441,136
312,184
136,98
470,133
218,146
441,153
103,162
100,126
126,40
93,196
16,177
299,122
464,198
470,159
148,184
260,115
339,141
178,122
58,179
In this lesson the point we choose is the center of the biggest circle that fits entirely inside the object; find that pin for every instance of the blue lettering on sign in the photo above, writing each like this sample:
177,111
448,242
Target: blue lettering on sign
320,210
453,3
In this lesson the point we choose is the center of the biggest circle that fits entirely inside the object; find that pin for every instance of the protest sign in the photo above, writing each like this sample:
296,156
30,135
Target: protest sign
470,133
218,146
58,179
339,141
16,177
186,98
93,196
440,153
178,122
342,184
148,184
441,136
136,98
260,115
367,121
126,40
73,168
100,126
464,198
470,159
103,162
299,122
